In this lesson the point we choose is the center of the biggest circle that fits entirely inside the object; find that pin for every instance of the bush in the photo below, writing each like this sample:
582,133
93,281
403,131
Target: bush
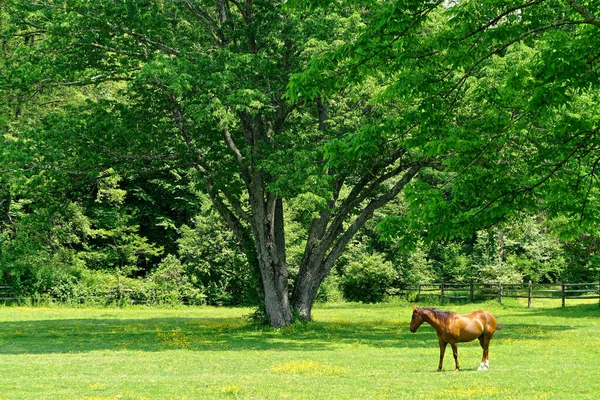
329,291
171,280
167,285
210,255
368,279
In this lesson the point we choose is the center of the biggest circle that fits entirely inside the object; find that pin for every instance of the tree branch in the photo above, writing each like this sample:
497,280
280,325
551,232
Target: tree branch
140,36
366,214
499,17
229,140
111,76
206,173
209,23
112,49
587,16
360,192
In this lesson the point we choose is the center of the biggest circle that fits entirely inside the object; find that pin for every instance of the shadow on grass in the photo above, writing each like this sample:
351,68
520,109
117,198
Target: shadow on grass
570,311
219,334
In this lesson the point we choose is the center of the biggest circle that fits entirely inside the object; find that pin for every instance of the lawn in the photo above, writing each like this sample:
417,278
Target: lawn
350,351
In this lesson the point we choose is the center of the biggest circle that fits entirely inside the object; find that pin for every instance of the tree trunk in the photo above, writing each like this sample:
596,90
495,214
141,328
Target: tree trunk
5,200
277,306
267,227
307,285
272,262
500,246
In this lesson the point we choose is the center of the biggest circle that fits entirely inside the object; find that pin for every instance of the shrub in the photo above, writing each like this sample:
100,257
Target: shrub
168,284
368,279
210,255
174,286
329,291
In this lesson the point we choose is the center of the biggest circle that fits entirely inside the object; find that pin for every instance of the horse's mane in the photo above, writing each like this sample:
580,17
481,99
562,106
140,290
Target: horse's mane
440,315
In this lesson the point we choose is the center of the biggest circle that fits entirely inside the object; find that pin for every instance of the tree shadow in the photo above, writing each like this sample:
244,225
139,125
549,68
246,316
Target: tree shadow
214,334
569,311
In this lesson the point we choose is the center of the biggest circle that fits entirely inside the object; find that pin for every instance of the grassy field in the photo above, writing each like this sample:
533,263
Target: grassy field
350,352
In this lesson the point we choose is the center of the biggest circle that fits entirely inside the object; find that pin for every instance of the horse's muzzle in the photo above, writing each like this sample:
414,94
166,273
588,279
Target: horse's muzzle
413,330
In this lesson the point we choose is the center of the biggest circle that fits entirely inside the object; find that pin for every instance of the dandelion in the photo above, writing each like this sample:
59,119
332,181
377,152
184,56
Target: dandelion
308,367
175,339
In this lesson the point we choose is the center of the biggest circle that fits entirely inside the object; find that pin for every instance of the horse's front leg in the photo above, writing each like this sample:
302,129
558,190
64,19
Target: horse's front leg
442,351
455,353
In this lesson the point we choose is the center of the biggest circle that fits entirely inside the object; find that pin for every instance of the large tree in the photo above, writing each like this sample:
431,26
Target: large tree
200,87
392,94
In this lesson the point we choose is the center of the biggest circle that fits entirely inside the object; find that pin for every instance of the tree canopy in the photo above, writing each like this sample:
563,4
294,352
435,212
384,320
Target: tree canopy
120,111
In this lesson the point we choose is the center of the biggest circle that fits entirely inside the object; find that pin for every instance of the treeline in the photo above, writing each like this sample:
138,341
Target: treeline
161,237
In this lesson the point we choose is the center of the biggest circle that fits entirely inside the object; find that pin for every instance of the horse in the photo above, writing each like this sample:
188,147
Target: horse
454,328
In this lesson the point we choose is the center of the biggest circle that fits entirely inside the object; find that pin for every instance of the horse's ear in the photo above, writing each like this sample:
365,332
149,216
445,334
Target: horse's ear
414,308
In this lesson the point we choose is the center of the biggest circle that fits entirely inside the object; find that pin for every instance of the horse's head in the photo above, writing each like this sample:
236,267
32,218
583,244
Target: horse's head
417,319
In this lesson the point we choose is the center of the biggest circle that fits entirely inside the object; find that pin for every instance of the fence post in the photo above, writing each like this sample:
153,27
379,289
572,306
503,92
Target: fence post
471,292
529,295
442,291
499,292
419,292
562,293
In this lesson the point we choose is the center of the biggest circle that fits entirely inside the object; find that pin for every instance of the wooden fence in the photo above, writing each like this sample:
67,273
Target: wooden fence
472,291
446,291
113,296
6,294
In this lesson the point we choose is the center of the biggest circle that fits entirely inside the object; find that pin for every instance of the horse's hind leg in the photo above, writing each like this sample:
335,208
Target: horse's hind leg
484,340
455,353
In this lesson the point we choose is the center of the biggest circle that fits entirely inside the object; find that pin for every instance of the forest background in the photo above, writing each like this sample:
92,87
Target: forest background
277,153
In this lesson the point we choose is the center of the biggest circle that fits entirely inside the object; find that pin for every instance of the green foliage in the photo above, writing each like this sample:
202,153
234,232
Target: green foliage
36,250
367,279
330,290
115,115
490,92
414,266
170,279
168,285
211,257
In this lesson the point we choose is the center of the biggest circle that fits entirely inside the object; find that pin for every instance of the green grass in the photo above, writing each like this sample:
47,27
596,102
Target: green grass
350,352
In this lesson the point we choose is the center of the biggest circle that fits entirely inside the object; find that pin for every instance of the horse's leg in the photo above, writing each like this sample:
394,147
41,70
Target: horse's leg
455,353
484,340
442,351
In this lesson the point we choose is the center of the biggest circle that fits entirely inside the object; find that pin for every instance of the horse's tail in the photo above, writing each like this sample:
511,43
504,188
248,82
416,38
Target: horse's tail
499,327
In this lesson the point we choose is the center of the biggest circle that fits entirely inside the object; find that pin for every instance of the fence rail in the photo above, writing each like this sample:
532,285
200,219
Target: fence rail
499,290
442,290
6,294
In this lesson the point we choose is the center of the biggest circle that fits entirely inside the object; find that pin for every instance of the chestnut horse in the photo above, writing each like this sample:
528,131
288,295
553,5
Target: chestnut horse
454,328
